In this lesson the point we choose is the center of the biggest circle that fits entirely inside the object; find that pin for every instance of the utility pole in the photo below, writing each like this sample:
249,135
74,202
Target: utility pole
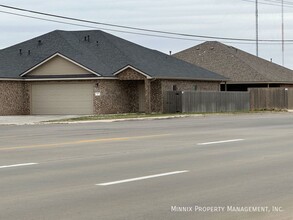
256,25
283,46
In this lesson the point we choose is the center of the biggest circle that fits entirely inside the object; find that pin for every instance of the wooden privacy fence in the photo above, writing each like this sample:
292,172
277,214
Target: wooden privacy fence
290,98
254,99
271,98
198,101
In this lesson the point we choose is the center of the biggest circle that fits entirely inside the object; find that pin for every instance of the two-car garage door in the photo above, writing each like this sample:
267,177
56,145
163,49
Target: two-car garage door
61,98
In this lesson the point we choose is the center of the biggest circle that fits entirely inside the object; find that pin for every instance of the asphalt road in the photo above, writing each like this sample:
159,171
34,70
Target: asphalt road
215,167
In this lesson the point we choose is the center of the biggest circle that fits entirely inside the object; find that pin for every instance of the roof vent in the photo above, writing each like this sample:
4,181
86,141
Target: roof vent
40,42
87,38
20,51
170,52
29,52
97,43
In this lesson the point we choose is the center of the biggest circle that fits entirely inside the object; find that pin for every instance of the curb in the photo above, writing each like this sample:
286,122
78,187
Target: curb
122,119
152,118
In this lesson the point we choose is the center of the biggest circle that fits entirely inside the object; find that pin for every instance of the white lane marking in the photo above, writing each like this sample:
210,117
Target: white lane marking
220,142
142,178
18,165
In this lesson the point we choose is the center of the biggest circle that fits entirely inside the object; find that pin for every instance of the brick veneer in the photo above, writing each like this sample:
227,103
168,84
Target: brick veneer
161,86
130,74
14,98
110,96
115,97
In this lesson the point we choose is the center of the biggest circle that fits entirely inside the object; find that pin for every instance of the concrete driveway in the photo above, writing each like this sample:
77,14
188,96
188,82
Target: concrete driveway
31,119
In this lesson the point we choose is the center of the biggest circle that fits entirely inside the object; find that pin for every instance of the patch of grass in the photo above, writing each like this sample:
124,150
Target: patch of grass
143,115
116,116
270,110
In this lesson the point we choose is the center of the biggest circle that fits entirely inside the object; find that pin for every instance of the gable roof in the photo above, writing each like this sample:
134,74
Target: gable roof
54,56
237,65
102,53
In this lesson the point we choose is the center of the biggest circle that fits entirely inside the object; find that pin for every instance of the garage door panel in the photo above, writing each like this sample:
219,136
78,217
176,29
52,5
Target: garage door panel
62,98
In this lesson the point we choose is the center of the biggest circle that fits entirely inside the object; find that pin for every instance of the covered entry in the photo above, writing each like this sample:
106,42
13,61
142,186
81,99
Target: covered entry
141,97
141,93
61,98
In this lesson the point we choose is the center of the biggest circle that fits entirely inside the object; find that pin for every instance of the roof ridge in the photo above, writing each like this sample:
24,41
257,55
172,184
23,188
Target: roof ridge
124,54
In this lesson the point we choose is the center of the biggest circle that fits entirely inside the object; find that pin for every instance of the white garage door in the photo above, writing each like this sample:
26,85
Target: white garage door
61,99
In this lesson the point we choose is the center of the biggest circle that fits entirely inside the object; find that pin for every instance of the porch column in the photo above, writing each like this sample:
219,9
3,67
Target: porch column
147,86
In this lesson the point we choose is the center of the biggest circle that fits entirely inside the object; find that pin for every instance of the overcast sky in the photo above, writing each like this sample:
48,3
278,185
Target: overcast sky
224,18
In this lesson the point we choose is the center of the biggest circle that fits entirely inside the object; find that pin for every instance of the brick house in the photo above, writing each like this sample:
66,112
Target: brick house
243,69
91,72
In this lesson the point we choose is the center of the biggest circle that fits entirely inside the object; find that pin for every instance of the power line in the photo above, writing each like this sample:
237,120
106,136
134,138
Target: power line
279,2
131,32
269,3
94,27
136,28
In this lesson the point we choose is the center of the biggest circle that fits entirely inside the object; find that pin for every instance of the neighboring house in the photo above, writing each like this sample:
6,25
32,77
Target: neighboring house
243,69
91,72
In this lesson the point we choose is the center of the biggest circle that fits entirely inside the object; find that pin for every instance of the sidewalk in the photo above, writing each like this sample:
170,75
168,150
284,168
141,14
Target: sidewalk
31,119
53,119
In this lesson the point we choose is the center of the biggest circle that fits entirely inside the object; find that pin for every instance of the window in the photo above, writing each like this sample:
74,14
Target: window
174,88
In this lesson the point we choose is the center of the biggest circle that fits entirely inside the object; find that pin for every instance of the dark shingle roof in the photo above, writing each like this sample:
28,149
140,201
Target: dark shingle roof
235,64
104,54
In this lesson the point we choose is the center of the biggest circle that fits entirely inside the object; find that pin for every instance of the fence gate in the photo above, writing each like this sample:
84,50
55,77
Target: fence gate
173,102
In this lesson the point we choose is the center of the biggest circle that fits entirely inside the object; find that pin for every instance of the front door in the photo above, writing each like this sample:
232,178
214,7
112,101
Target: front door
141,97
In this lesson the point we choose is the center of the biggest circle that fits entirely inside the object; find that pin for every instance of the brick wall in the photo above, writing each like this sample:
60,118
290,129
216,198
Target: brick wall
115,97
161,86
14,98
130,74
167,85
156,96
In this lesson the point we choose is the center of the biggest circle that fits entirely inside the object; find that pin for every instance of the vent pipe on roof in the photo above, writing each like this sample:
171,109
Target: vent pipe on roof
29,52
87,38
97,43
20,51
39,42
170,52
